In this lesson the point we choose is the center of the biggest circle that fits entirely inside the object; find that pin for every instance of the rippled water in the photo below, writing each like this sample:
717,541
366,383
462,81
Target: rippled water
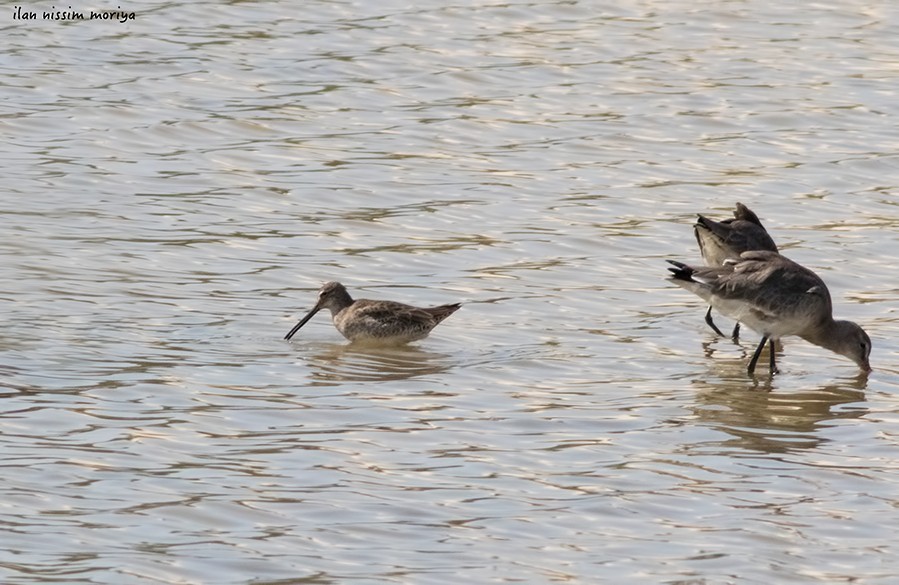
176,188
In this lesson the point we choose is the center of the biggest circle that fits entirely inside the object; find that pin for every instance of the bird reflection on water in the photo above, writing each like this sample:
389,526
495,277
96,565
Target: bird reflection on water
771,422
335,364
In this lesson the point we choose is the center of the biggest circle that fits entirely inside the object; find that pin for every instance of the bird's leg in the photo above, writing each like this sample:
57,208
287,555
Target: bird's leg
773,366
708,319
755,356
736,334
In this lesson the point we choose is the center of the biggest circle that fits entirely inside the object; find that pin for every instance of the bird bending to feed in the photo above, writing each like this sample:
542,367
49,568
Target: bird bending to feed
380,321
776,297
720,240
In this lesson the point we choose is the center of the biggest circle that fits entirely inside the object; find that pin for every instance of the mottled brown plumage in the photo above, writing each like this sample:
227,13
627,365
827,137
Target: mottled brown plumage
375,321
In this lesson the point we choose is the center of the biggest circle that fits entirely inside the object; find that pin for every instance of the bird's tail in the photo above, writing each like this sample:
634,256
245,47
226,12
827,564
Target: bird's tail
681,271
443,311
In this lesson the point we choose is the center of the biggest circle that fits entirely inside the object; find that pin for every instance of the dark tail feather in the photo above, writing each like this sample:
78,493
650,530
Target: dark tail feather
746,214
443,311
681,271
704,221
719,229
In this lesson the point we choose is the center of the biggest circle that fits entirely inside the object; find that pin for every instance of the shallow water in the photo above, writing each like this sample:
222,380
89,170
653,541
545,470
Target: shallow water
177,188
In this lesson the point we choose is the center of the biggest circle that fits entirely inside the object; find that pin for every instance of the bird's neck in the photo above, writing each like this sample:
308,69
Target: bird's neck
340,301
828,334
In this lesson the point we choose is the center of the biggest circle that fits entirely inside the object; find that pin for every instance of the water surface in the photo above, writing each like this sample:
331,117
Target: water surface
177,187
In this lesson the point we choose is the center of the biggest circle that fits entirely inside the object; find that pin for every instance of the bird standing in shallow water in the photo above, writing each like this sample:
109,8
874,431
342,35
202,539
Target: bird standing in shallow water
776,297
375,321
720,240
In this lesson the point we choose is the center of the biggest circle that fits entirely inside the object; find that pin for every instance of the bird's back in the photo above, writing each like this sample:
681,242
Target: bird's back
389,321
770,293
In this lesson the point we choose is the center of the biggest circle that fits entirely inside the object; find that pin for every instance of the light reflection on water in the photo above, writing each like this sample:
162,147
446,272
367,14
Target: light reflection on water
176,192
338,363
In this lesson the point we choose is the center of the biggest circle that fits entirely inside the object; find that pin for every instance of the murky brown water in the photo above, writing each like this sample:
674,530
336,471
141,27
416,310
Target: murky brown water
177,187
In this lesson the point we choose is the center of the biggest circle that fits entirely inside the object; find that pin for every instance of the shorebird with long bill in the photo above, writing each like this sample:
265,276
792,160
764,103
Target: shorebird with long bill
363,320
776,297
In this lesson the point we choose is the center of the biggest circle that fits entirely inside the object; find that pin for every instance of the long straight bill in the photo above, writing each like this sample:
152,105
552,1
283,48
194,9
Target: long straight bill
302,322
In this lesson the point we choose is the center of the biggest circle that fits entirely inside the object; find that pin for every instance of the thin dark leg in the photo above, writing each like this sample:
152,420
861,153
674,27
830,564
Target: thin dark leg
708,319
773,366
736,334
758,352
